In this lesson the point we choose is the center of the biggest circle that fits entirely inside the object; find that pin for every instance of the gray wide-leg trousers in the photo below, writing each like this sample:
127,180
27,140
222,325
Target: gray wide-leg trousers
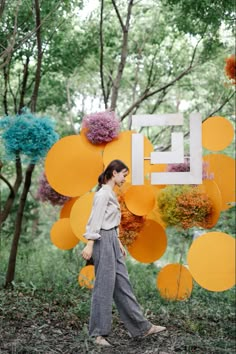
112,282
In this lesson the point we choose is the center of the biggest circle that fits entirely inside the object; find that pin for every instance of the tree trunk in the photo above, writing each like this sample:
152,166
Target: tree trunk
24,83
5,74
39,58
124,53
11,197
2,5
19,217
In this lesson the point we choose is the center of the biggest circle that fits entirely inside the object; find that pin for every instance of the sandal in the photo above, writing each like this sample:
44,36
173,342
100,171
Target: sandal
102,341
154,329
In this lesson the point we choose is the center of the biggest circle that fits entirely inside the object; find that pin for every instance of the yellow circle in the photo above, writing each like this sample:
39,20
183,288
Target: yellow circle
211,260
72,169
86,277
62,235
140,200
217,133
80,213
223,169
121,148
212,190
150,244
65,210
175,282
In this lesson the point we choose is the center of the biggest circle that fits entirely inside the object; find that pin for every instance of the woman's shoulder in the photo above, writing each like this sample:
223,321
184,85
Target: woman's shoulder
103,191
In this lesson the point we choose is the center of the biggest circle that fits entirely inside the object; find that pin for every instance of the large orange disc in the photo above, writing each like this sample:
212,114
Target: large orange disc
175,282
86,277
121,149
217,133
223,168
88,144
140,200
80,213
212,190
155,215
211,260
71,168
65,210
62,235
150,244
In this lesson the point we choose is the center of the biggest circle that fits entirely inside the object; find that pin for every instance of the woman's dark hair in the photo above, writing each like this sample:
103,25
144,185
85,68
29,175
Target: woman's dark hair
115,165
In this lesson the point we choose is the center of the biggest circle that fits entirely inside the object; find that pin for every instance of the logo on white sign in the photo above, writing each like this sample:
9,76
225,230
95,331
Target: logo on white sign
175,155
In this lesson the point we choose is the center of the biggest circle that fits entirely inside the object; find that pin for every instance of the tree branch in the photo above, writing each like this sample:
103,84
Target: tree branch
118,15
11,48
39,57
220,107
5,94
12,193
69,106
147,93
2,6
16,186
24,83
124,52
101,54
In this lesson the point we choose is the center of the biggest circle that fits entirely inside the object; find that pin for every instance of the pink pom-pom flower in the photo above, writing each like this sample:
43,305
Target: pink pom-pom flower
101,127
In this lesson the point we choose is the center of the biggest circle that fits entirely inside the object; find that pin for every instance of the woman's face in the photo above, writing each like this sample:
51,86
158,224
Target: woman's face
120,177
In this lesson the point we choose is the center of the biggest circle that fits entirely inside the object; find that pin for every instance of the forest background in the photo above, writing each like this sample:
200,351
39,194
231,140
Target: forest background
66,59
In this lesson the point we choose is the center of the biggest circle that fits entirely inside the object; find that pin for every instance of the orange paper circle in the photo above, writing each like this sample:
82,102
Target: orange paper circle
65,210
223,168
88,144
175,282
140,200
155,215
150,244
211,260
80,213
212,190
86,277
217,133
62,235
121,149
72,169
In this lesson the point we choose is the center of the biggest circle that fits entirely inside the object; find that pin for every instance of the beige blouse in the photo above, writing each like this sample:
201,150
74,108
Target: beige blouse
105,213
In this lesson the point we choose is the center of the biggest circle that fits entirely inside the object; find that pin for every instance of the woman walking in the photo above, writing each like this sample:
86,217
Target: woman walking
111,276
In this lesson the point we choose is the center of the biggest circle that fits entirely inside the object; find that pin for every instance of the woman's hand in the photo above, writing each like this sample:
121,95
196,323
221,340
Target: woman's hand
123,250
88,250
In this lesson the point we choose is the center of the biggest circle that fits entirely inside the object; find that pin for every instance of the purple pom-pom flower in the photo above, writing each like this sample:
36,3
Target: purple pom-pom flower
185,167
101,127
46,193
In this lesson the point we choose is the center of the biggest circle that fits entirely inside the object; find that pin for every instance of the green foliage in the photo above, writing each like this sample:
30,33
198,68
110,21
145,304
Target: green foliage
196,17
47,304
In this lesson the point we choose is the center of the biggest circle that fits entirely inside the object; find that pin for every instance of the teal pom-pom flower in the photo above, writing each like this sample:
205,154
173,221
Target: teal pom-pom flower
26,134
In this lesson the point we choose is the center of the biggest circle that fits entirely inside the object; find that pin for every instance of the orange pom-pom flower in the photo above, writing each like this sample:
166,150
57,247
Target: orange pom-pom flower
230,68
130,224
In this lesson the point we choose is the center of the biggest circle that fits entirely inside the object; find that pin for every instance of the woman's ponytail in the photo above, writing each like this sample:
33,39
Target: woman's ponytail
101,180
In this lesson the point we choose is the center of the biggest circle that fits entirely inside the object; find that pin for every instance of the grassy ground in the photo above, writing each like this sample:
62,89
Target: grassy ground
47,312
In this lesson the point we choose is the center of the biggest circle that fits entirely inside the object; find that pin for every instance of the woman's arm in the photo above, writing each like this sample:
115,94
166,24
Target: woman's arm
97,214
88,250
123,250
